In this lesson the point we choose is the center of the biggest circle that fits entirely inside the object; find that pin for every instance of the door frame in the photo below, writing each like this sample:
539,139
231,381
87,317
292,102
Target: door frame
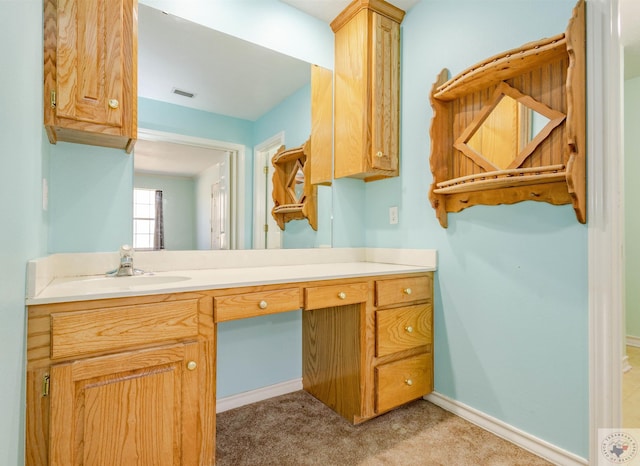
260,186
606,219
237,164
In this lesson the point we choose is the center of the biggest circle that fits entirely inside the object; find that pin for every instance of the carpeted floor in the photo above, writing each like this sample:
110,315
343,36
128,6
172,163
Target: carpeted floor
296,429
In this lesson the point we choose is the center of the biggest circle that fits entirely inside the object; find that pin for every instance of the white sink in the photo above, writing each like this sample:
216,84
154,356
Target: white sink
104,284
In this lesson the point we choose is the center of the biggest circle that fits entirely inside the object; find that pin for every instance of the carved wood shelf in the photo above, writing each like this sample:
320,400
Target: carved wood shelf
294,196
542,84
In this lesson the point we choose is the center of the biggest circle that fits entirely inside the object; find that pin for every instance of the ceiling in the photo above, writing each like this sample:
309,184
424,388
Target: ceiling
327,10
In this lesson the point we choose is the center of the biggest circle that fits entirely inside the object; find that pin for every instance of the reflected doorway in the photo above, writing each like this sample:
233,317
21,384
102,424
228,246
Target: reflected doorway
266,233
202,184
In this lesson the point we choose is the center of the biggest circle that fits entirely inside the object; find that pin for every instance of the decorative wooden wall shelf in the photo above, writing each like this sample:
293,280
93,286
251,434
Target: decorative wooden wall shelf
513,127
294,197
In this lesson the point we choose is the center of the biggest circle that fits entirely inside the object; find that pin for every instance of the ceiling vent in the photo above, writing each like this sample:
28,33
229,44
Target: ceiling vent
183,93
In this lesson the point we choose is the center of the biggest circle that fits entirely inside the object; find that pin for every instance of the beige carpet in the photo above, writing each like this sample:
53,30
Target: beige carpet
296,429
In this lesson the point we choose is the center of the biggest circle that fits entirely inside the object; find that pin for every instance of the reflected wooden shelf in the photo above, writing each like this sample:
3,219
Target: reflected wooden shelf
513,127
294,196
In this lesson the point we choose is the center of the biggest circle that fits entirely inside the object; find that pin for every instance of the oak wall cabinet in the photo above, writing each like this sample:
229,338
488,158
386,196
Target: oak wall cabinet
513,127
367,90
90,72
321,126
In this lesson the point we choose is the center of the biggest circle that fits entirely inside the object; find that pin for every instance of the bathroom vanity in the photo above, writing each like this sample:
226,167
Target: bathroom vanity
124,372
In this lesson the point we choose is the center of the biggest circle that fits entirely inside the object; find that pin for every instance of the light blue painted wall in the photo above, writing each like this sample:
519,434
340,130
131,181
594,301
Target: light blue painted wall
91,198
23,163
511,307
179,212
631,201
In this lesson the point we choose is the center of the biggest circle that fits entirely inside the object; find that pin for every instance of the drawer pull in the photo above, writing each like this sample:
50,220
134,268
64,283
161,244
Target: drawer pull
407,291
191,365
113,103
409,329
379,154
409,382
262,304
342,295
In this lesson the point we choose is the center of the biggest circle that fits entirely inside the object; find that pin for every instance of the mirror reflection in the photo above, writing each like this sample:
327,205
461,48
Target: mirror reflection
506,131
212,110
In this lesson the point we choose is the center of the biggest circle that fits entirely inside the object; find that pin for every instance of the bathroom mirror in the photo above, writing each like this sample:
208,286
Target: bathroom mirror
253,81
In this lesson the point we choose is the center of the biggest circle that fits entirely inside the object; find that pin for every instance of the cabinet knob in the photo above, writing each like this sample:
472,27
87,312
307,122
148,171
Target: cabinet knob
191,365
409,329
113,103
342,295
379,154
407,291
262,304
409,382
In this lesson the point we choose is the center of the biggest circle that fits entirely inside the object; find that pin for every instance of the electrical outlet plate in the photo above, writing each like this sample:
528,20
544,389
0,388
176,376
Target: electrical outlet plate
393,215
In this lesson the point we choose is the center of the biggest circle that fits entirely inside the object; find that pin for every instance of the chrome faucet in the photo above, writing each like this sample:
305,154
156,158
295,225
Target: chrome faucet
125,269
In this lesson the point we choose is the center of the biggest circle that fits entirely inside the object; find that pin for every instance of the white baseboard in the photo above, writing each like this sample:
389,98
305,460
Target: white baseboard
524,440
633,341
626,367
253,396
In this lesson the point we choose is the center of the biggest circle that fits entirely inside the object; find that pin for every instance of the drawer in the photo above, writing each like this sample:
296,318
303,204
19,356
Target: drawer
402,381
81,333
403,290
319,297
403,328
242,306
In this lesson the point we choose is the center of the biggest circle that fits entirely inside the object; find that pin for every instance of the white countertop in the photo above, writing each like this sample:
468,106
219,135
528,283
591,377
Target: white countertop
60,278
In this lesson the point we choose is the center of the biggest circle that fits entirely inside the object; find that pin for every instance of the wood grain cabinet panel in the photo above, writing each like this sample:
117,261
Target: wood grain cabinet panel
242,306
403,328
75,334
403,290
137,408
402,381
335,295
90,72
367,90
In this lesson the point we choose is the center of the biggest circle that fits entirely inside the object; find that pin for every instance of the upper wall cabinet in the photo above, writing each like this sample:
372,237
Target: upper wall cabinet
90,72
321,125
512,128
367,90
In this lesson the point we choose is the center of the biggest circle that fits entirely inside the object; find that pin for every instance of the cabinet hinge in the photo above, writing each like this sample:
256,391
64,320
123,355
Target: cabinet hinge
46,381
52,99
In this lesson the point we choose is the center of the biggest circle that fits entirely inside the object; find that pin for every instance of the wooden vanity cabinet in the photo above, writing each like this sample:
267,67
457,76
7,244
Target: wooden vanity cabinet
367,90
121,381
90,72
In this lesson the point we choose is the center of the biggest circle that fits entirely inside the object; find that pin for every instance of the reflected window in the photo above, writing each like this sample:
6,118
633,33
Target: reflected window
148,225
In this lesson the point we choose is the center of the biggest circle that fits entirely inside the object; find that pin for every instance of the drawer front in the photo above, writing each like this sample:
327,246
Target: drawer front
403,328
335,295
81,333
403,290
242,306
402,381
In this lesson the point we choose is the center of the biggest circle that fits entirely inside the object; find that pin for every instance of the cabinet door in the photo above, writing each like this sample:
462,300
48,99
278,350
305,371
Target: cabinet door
385,82
135,408
90,54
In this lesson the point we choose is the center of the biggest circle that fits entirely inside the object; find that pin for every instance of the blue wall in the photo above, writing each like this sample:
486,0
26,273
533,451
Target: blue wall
23,231
511,309
511,297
